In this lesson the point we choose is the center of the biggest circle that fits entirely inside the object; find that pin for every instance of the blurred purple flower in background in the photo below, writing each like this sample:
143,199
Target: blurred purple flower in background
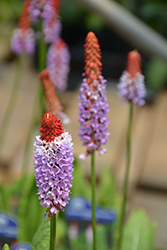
58,58
131,85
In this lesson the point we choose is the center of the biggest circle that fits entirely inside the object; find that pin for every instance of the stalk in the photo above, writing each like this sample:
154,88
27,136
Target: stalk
126,178
11,102
93,180
52,232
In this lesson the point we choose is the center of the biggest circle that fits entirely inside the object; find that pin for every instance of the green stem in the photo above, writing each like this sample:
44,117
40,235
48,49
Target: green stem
93,180
125,183
52,232
11,102
42,49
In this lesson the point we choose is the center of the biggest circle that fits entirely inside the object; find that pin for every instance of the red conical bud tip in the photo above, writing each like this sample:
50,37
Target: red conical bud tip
53,103
93,65
44,75
24,21
50,127
56,5
133,63
60,43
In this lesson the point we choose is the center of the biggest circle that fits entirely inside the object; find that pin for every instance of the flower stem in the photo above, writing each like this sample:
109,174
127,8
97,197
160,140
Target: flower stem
125,183
11,102
52,232
42,49
93,180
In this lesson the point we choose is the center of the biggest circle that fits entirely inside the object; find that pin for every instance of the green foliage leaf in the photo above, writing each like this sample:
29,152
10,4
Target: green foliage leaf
3,199
80,186
6,247
94,22
41,238
156,74
139,233
107,182
30,212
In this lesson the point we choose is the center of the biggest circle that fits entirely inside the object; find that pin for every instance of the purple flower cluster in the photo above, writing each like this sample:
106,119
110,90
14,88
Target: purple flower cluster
23,41
58,58
36,9
93,108
51,25
52,30
53,171
132,89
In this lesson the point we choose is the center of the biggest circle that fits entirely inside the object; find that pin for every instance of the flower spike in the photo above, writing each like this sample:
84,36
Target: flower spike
131,86
58,58
93,100
53,103
23,39
53,164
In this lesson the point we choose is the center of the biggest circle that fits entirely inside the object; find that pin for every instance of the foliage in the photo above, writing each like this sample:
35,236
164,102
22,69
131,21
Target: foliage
80,185
156,74
10,10
27,208
5,247
154,14
139,233
42,236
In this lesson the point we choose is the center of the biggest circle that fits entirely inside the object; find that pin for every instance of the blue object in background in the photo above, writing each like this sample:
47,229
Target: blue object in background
79,209
8,229
8,226
22,246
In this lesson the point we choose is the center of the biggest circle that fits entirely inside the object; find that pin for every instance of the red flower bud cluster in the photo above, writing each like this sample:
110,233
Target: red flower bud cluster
50,127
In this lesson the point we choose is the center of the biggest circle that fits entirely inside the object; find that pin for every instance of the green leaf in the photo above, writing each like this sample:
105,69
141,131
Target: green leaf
6,247
30,212
139,233
156,74
107,182
41,238
94,22
80,184
3,199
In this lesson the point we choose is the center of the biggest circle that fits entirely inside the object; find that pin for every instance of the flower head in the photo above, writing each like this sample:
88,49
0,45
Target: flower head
93,100
131,86
52,101
23,39
53,164
43,9
58,58
52,29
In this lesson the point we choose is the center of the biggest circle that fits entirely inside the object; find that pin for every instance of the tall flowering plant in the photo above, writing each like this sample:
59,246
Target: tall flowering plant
23,39
93,104
53,168
132,90
131,86
93,112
